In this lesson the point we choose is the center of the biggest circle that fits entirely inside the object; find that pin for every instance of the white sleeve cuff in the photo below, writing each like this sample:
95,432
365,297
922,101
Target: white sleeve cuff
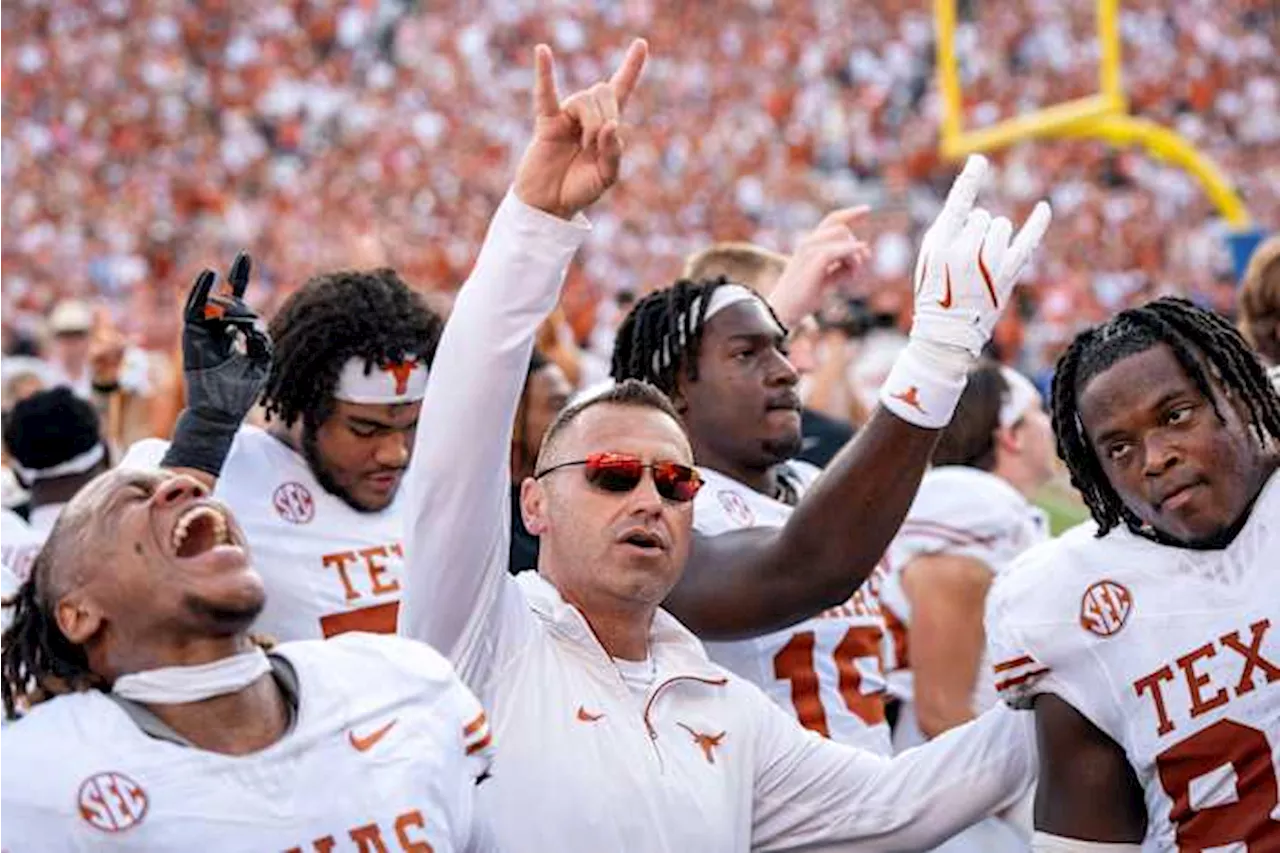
923,389
558,233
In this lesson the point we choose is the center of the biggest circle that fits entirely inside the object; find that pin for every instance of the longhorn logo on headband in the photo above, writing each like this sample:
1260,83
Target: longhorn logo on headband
385,383
400,371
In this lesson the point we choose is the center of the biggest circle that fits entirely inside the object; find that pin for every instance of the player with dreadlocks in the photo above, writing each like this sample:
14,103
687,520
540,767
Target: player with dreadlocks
316,489
152,720
1144,642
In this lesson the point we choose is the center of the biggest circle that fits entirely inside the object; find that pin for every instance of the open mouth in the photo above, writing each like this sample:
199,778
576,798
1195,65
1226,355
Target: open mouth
200,529
643,539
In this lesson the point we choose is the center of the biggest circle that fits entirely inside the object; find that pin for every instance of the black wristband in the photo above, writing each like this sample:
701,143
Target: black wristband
107,388
201,442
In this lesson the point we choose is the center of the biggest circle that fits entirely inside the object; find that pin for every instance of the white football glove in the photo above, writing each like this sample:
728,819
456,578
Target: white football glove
967,267
964,277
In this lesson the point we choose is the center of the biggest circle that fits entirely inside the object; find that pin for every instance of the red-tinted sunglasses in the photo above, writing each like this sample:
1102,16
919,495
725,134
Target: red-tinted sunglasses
620,472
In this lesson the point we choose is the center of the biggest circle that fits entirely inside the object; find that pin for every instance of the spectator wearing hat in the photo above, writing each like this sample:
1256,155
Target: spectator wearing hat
88,355
55,443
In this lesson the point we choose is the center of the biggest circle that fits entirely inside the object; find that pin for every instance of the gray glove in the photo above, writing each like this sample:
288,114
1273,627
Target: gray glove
226,357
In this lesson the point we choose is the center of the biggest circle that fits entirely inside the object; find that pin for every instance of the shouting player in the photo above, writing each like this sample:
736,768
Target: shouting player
1149,645
154,722
316,490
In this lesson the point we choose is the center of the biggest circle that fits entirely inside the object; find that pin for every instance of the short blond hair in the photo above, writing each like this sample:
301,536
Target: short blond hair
743,263
1260,290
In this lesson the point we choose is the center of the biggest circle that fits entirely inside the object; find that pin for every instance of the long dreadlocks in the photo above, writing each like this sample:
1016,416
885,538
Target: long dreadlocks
38,662
663,333
1198,338
335,317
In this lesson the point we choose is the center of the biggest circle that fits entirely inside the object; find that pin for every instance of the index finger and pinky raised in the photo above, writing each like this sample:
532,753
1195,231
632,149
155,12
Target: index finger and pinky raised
546,96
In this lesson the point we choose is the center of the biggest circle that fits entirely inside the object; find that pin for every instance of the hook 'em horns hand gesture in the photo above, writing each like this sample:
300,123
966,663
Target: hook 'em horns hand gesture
576,150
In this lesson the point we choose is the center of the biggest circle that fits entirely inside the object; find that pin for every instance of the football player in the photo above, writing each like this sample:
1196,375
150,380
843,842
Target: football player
1146,642
153,721
316,490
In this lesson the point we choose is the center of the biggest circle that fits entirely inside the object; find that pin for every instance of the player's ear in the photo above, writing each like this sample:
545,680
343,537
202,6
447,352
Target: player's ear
533,506
1007,439
679,399
79,618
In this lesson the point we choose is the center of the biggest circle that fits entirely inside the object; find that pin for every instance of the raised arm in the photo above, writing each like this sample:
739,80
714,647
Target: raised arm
226,356
754,581
458,596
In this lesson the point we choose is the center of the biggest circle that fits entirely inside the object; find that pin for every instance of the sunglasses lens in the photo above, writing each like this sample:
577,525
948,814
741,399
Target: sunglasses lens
676,482
614,473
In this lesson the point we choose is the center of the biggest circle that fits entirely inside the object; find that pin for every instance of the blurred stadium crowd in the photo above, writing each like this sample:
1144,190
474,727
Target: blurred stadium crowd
145,140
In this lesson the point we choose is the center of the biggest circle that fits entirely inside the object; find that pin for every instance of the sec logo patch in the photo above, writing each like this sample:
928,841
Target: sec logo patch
112,802
294,503
1105,607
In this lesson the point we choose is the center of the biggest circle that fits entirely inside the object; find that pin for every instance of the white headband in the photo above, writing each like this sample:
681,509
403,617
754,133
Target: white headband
402,381
1022,398
721,298
77,464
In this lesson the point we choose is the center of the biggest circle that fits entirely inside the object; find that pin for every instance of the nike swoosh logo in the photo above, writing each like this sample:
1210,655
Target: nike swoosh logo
986,276
586,716
366,743
945,301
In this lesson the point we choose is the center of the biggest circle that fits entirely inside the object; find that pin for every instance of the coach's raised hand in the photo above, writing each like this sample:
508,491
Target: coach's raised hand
576,150
226,356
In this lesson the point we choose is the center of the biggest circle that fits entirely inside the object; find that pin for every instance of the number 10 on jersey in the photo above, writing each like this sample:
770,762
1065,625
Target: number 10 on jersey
854,664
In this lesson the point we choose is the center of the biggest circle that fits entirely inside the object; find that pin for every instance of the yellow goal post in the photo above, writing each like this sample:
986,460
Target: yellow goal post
1103,116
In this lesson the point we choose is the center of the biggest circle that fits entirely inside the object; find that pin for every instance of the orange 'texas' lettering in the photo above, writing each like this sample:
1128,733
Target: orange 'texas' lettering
369,837
1203,695
374,563
401,371
339,561
376,570
1197,680
413,819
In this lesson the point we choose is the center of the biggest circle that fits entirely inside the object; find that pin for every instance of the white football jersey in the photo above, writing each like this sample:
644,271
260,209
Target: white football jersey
1173,653
965,512
385,754
328,568
827,671
19,545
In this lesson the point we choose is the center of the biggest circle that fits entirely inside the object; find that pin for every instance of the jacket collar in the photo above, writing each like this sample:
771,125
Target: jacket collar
675,650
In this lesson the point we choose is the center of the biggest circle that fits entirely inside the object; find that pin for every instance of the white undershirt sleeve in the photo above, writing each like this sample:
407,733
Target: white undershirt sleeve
458,596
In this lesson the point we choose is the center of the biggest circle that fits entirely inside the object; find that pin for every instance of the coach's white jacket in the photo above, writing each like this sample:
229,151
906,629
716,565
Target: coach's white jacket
705,761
